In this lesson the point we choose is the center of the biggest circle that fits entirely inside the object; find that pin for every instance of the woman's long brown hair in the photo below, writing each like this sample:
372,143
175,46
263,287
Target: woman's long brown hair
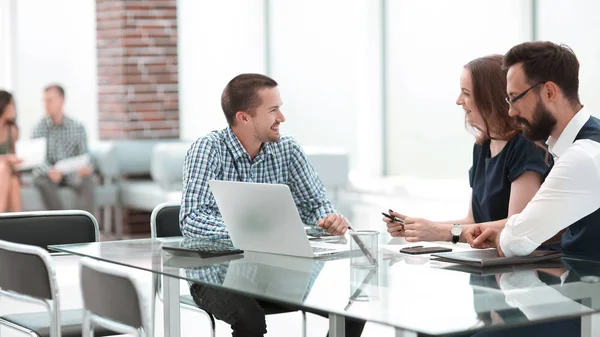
489,93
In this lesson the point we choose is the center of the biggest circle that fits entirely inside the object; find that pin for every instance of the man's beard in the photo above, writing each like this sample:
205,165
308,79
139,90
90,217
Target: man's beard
542,125
266,137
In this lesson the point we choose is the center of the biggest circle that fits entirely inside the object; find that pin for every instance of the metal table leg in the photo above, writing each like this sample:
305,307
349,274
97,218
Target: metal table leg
337,325
171,306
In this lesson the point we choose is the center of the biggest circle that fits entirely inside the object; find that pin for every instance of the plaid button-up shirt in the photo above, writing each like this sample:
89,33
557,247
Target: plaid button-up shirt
220,156
64,140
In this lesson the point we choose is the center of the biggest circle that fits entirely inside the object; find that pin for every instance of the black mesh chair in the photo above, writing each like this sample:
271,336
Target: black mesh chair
46,228
112,300
164,222
25,237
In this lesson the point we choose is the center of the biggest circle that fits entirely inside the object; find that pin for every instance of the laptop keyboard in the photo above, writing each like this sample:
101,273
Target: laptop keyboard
320,249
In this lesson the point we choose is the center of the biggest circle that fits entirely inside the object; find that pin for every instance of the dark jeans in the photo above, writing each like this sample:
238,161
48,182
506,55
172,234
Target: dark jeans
84,188
246,315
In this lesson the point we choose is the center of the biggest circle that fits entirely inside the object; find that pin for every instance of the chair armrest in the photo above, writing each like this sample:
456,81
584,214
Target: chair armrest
166,165
104,158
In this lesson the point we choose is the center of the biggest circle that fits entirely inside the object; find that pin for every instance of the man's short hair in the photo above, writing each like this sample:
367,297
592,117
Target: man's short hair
547,61
241,94
57,87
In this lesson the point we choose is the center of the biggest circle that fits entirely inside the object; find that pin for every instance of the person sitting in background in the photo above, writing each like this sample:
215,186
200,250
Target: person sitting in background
507,169
10,185
66,138
250,149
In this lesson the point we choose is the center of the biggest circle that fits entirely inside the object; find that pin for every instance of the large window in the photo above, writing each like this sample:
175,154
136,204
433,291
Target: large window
428,43
338,60
574,23
326,57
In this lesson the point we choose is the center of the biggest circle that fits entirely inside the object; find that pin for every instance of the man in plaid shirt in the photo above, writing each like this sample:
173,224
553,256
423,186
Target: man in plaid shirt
250,150
66,138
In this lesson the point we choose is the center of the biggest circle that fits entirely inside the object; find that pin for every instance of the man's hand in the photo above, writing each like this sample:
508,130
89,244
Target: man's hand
85,171
54,175
393,227
480,236
334,224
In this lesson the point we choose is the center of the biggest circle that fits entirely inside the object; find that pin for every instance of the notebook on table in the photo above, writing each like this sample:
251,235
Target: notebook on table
500,269
489,257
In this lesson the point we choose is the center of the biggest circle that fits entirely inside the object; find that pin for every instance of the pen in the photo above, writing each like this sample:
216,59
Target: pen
356,293
361,245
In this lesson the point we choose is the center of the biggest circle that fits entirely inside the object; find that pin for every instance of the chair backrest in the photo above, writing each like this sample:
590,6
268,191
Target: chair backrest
49,227
164,220
27,271
110,293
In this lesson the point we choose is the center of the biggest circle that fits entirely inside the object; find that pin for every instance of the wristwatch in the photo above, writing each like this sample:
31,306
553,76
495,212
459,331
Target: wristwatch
456,231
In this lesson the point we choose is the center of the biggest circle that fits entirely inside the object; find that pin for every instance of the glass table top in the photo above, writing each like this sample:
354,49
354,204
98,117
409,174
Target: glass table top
407,292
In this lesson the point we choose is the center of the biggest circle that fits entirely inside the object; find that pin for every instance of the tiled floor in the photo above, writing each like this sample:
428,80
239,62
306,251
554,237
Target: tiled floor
365,212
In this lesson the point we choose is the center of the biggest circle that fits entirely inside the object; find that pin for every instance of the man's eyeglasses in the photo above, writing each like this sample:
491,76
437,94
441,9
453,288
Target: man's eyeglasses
519,96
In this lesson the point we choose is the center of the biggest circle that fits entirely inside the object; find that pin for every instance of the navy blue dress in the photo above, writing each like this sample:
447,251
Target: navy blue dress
491,177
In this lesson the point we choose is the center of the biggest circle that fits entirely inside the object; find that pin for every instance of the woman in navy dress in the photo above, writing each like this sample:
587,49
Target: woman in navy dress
507,169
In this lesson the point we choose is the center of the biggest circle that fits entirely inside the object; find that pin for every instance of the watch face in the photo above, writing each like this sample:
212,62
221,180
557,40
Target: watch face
456,230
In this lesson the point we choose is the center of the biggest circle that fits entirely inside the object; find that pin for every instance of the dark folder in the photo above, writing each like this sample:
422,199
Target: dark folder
489,257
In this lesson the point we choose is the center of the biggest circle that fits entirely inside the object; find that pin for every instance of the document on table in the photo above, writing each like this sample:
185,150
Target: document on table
32,151
72,164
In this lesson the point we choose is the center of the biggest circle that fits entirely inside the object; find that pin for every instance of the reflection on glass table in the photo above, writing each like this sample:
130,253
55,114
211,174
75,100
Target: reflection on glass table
408,295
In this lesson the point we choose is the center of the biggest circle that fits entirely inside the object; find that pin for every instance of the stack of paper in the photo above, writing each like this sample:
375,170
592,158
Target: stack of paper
72,164
32,151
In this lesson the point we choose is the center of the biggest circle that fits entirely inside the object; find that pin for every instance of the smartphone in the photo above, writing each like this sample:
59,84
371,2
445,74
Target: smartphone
424,250
393,218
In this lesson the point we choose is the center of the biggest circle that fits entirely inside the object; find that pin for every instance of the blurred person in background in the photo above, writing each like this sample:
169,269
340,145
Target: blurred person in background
10,185
66,138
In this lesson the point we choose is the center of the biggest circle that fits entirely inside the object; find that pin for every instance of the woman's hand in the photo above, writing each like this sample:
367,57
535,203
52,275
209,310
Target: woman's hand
395,228
11,159
416,229
419,229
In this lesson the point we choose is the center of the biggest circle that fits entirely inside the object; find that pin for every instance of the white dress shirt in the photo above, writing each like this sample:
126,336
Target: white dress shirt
570,192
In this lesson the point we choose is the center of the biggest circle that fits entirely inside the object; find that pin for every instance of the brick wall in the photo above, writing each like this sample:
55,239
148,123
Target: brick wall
137,69
137,76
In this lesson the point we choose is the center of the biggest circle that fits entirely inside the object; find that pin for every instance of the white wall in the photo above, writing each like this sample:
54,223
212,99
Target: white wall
429,42
217,41
56,42
6,44
574,23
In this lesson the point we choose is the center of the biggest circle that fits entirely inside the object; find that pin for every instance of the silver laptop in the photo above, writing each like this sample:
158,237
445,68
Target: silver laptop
264,218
